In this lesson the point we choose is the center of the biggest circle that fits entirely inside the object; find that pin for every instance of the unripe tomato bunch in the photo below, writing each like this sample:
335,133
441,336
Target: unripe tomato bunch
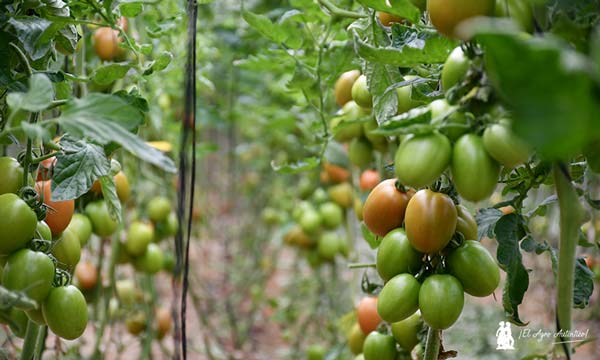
42,241
38,252
317,221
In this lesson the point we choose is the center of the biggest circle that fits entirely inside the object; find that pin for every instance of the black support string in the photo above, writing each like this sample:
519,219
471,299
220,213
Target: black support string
188,129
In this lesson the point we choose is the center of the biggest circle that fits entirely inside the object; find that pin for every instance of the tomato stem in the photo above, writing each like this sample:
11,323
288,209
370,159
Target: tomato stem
571,217
334,10
40,342
30,341
361,265
432,345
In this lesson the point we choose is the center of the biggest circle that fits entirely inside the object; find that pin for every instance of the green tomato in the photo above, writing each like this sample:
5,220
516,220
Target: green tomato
310,221
139,235
379,347
159,208
316,352
67,250
320,196
125,292
331,214
474,172
475,267
441,300
361,94
405,101
356,339
345,127
360,153
421,159
11,175
405,332
81,226
399,298
42,231
466,223
168,261
455,68
504,146
396,255
29,271
454,125
17,223
328,246
65,312
102,224
379,142
519,11
439,108
151,261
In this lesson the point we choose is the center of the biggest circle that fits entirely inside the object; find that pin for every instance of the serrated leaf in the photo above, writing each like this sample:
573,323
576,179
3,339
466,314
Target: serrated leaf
403,8
78,165
131,8
35,131
509,231
34,33
264,26
109,193
538,106
421,47
486,222
296,167
38,97
583,284
105,107
414,121
106,74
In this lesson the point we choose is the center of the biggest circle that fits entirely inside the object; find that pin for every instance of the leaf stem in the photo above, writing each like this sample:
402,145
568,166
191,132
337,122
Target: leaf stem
336,11
432,346
30,341
571,216
361,265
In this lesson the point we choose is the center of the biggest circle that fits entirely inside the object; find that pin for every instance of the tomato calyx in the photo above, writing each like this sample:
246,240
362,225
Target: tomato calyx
34,201
41,245
400,187
444,185
61,277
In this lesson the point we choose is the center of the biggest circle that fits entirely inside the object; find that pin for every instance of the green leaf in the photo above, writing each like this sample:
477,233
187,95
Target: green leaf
486,222
403,8
35,131
542,207
105,107
509,231
336,154
78,165
583,284
304,77
38,97
379,79
296,167
414,121
106,119
131,8
411,48
552,83
34,33
106,74
369,237
264,26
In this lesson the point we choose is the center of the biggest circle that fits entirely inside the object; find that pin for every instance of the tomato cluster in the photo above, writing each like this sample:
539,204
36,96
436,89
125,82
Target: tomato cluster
30,271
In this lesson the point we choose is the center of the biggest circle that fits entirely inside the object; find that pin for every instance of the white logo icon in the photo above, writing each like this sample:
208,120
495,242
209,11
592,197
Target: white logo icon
504,337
